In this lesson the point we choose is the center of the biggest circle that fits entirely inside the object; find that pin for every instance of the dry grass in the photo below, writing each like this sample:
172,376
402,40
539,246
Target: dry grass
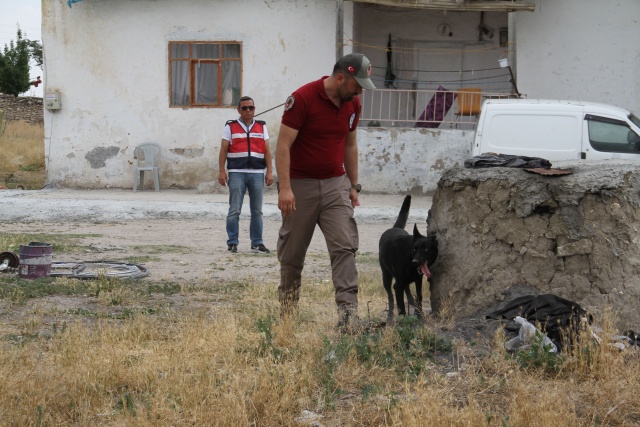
22,155
234,363
215,354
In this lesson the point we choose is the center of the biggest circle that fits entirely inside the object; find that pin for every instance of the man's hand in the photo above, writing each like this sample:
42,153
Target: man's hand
268,178
353,195
222,178
286,201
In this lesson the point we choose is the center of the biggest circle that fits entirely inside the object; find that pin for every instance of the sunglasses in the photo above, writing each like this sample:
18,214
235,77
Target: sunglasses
250,108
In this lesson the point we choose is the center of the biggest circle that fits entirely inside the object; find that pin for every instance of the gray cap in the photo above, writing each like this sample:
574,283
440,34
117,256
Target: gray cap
359,67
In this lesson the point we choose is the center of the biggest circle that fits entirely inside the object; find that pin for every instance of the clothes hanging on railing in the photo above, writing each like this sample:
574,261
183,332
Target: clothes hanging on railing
436,109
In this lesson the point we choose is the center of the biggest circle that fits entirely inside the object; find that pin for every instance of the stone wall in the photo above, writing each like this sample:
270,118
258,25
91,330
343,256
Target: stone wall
503,232
25,108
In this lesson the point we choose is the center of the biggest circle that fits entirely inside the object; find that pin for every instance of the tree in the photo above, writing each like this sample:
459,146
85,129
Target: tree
35,51
14,64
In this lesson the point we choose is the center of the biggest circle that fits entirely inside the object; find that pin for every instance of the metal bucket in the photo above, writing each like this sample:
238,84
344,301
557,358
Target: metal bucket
35,260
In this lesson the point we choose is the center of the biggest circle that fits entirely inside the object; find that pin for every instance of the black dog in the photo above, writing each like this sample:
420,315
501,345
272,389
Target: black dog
405,258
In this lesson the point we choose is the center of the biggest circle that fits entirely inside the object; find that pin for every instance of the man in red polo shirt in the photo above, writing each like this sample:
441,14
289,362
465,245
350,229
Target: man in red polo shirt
317,168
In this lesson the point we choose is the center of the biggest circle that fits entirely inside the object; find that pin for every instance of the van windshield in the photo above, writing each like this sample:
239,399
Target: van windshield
634,120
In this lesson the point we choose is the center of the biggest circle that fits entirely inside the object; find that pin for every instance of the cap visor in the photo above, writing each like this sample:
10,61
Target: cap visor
365,83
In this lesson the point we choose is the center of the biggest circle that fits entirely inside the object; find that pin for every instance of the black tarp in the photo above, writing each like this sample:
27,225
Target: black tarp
489,160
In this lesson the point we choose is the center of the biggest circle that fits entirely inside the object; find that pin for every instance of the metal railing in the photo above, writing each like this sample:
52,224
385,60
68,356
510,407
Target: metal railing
433,109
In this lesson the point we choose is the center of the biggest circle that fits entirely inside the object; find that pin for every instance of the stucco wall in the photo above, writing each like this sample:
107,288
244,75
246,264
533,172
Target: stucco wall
404,160
399,160
572,49
108,59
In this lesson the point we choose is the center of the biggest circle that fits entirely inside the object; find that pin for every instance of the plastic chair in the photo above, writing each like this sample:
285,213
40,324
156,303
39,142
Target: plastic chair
148,157
469,102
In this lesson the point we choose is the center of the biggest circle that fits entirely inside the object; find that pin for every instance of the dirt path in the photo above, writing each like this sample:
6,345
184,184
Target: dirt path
180,235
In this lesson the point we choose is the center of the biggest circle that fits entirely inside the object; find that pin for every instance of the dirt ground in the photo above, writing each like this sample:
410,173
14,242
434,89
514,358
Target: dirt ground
180,236
183,233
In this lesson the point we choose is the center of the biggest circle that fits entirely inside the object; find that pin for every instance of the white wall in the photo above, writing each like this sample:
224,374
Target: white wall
580,50
108,59
405,160
432,50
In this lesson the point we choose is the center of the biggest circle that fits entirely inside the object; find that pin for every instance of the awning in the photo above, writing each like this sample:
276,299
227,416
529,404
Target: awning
459,5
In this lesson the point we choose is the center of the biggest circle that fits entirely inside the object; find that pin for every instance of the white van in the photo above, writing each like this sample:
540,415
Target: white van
557,130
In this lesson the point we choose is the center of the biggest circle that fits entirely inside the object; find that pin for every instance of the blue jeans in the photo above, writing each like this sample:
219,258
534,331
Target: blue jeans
239,183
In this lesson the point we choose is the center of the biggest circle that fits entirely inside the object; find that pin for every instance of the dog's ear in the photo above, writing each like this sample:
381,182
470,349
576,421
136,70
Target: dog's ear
416,233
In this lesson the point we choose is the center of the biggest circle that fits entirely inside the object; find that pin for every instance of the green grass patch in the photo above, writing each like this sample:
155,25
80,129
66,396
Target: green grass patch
165,288
227,288
31,168
125,313
61,243
539,356
407,350
18,290
367,258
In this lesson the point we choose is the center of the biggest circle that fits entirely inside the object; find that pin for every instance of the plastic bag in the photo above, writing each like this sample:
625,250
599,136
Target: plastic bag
526,337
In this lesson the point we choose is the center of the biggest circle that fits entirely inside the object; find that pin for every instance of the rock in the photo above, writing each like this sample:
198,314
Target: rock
576,236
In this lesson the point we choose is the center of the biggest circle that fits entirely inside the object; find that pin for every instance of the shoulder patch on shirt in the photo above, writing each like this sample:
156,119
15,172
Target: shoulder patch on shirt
288,104
351,119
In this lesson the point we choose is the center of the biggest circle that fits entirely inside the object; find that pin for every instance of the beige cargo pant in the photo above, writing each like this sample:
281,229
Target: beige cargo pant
324,202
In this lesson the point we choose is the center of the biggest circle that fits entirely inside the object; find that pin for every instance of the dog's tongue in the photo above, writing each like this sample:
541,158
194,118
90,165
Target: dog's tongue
424,269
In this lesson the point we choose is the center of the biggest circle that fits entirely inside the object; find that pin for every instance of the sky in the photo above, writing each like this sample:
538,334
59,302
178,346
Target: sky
28,14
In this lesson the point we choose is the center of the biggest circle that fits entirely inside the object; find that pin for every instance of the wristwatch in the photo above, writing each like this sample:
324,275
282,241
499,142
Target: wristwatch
356,187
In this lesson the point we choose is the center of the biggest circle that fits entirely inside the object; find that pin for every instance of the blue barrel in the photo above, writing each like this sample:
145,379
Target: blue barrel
35,260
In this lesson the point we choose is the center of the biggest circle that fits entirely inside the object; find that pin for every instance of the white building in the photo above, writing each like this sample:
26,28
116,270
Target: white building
130,71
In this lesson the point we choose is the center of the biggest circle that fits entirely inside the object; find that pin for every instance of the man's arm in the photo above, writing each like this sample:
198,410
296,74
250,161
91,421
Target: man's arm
268,177
286,199
351,164
222,160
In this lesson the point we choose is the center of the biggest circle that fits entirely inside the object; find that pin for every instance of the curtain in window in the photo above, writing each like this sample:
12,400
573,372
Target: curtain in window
230,82
180,83
206,76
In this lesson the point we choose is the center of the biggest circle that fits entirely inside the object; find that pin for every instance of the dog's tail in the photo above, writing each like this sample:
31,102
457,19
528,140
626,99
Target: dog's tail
401,222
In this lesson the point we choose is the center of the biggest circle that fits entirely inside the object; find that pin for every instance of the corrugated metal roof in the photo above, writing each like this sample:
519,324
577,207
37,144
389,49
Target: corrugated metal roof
459,5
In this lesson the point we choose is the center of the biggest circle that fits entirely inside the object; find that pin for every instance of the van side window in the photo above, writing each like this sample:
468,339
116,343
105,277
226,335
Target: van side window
612,136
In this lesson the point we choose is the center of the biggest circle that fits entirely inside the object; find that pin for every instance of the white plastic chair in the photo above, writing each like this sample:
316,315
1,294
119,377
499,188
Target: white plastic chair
148,159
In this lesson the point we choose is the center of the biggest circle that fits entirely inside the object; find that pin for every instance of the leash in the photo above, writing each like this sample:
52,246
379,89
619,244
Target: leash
270,109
